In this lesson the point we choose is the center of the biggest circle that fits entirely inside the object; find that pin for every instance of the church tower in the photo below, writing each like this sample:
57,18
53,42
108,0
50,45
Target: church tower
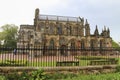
36,18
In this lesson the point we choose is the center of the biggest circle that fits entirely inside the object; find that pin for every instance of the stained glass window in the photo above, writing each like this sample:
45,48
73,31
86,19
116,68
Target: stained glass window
82,44
59,29
51,43
51,28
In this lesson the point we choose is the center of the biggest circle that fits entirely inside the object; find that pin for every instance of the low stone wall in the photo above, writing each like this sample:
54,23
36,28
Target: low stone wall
82,69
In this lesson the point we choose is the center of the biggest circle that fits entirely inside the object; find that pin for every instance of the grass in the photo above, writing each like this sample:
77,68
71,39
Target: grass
42,64
108,76
39,75
83,61
2,77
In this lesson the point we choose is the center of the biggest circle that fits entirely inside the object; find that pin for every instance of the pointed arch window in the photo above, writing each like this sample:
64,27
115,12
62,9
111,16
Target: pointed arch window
92,44
51,45
82,44
59,28
101,43
51,28
72,45
75,31
68,29
62,41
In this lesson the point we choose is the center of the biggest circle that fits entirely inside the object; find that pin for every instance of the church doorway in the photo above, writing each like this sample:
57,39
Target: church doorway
63,50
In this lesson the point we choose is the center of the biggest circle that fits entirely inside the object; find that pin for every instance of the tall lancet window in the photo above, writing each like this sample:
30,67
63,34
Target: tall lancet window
59,28
82,44
75,30
101,43
51,28
69,30
73,44
92,44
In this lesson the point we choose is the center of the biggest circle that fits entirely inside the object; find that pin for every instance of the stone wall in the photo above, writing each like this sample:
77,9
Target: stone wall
83,69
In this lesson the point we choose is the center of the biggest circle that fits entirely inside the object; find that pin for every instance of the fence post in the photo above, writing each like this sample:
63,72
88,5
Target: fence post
31,52
68,49
58,51
40,51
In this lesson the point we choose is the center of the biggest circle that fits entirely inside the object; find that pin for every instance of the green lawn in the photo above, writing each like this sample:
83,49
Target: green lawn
83,61
42,64
108,76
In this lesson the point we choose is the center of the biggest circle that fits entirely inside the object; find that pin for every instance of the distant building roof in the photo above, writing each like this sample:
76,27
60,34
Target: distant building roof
59,18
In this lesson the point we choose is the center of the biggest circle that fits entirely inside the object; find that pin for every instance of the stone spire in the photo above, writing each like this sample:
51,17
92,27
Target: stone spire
105,32
87,28
108,32
96,33
104,28
86,22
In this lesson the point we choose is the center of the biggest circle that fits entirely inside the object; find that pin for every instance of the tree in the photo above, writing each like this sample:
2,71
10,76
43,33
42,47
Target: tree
9,35
114,44
0,39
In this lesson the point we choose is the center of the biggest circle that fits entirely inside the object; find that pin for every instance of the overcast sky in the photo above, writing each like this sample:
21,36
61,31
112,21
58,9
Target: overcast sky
98,12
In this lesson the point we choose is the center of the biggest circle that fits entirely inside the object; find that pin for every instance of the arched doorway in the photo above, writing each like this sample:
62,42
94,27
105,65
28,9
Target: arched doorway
63,46
92,44
63,50
51,47
82,44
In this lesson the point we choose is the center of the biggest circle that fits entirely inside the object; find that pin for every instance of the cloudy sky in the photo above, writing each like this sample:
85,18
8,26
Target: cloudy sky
98,12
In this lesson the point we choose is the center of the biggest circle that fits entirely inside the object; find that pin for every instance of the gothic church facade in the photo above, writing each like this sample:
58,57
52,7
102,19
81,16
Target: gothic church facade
53,31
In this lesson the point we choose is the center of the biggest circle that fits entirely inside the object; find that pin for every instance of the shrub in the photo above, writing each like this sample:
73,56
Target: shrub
2,77
94,58
13,63
118,68
60,76
35,75
38,75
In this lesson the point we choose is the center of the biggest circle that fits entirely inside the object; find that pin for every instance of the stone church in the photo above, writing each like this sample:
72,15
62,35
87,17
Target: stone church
51,31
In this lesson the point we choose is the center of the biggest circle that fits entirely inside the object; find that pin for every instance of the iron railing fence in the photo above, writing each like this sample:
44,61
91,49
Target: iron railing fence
58,56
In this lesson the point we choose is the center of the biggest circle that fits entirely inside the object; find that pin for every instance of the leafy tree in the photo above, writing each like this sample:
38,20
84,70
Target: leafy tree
0,39
9,35
114,44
